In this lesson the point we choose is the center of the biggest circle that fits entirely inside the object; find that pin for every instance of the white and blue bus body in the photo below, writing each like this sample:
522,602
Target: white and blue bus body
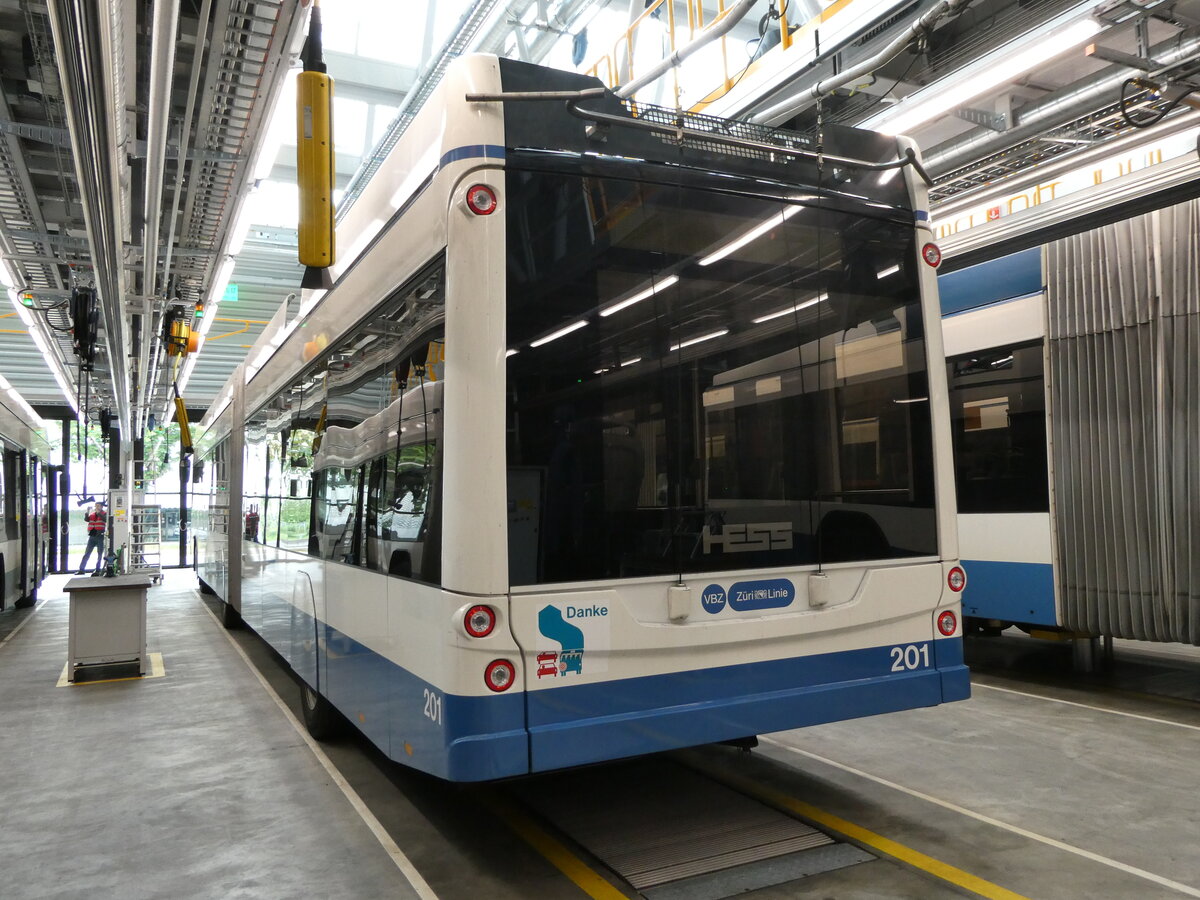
600,444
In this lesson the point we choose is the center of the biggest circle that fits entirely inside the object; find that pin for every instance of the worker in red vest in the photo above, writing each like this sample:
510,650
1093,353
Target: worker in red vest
96,522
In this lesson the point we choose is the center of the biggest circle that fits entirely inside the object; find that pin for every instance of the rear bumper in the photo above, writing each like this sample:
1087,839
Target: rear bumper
573,726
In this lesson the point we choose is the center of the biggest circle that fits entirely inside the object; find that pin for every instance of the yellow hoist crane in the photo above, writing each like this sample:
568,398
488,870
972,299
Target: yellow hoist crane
314,154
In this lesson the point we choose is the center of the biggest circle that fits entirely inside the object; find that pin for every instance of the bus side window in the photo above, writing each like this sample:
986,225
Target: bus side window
404,500
317,521
371,525
337,500
998,423
11,507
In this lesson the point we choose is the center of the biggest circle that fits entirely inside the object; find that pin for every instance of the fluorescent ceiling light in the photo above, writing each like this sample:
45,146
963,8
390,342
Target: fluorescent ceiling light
752,235
217,291
210,316
904,117
555,335
25,315
509,353
788,310
40,343
912,400
891,270
630,362
700,340
65,388
185,374
641,295
240,230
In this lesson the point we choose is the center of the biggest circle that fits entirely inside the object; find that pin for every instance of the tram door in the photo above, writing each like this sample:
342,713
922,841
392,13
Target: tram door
56,524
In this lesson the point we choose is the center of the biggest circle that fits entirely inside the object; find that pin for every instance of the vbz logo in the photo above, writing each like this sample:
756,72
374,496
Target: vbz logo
751,536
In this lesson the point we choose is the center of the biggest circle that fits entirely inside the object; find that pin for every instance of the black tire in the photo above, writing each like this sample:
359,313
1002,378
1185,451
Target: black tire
320,718
205,589
230,617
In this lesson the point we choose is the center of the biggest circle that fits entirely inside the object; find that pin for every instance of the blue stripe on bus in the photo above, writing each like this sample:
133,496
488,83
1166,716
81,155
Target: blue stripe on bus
588,723
1010,591
1006,278
483,738
471,151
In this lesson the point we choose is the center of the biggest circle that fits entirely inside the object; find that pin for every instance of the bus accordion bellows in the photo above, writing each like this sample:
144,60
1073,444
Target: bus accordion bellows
619,430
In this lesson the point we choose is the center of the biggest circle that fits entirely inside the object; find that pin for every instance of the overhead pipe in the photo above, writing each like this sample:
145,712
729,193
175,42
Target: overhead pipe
165,28
797,103
1065,106
185,138
78,29
718,28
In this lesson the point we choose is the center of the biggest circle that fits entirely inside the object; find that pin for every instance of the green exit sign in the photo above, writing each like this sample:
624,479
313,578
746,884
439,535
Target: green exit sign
231,294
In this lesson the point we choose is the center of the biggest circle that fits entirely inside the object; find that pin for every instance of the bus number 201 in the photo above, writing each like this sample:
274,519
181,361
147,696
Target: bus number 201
910,657
433,707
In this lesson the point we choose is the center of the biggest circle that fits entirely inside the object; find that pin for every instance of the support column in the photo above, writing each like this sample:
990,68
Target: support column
185,478
64,496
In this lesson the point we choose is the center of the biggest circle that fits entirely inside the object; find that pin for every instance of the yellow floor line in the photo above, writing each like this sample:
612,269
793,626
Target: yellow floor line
157,670
863,836
555,852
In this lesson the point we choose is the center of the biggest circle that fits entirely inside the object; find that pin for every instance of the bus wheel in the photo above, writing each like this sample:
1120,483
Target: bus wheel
320,718
204,588
230,617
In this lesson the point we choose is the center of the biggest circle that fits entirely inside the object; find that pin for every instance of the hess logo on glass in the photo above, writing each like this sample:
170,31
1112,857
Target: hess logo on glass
749,536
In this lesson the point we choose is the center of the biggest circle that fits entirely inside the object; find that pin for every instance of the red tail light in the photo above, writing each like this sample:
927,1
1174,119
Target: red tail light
479,621
947,622
499,675
481,199
932,255
956,579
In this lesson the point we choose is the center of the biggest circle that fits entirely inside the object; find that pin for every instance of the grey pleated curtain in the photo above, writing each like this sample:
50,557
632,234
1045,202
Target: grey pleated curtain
1124,338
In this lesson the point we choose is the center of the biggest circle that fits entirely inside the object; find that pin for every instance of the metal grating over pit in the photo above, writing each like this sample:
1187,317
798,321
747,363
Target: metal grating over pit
654,823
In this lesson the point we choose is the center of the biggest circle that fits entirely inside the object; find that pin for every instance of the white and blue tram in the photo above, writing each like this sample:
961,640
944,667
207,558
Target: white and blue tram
23,534
614,434
1075,411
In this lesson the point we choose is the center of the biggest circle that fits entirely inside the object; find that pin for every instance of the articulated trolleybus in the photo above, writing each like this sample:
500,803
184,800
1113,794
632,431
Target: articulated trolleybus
620,430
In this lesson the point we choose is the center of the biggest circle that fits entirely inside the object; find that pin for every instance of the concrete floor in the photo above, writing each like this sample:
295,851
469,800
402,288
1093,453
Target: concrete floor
189,785
196,784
